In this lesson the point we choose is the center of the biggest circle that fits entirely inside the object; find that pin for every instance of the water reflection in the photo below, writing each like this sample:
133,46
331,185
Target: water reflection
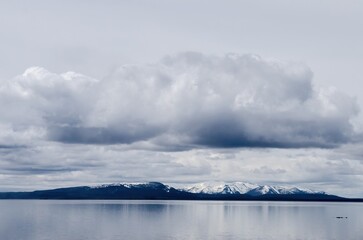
109,220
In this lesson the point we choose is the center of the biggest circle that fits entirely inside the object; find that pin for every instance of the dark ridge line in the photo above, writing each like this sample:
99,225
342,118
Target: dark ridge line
159,191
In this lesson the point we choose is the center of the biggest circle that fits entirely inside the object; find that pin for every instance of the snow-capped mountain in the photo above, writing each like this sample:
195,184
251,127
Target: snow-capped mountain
244,188
220,188
159,191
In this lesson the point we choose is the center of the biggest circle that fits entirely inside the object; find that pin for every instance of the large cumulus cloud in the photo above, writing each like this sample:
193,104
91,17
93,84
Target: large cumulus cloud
184,101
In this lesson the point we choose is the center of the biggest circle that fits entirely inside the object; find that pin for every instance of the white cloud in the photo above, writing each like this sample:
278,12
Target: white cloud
184,101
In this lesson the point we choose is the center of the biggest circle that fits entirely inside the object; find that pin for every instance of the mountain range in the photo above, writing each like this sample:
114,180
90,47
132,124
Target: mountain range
245,188
200,191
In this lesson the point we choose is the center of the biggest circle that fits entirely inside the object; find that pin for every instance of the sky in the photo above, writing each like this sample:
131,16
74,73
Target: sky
267,92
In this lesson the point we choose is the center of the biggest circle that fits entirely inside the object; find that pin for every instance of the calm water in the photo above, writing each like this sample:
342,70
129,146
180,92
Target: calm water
111,220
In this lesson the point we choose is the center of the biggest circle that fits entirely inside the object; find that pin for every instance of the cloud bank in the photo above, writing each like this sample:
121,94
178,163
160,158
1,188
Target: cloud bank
185,101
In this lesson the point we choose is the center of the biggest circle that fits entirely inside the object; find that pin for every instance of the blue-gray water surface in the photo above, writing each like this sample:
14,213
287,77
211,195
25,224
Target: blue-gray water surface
115,220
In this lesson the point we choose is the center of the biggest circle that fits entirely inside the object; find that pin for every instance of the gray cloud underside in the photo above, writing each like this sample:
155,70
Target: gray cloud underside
184,101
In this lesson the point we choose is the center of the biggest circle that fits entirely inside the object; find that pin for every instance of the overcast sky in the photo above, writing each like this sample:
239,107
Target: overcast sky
268,92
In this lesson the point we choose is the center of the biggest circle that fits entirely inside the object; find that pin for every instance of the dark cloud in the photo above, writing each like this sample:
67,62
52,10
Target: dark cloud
275,133
11,146
96,135
36,170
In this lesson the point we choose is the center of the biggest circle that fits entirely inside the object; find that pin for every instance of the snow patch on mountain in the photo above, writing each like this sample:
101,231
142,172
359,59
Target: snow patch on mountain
244,188
219,188
135,185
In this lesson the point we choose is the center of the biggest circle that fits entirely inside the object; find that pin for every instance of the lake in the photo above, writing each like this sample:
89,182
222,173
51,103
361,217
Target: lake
189,220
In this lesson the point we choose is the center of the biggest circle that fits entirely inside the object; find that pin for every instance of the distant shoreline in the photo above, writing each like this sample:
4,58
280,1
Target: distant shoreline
159,191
